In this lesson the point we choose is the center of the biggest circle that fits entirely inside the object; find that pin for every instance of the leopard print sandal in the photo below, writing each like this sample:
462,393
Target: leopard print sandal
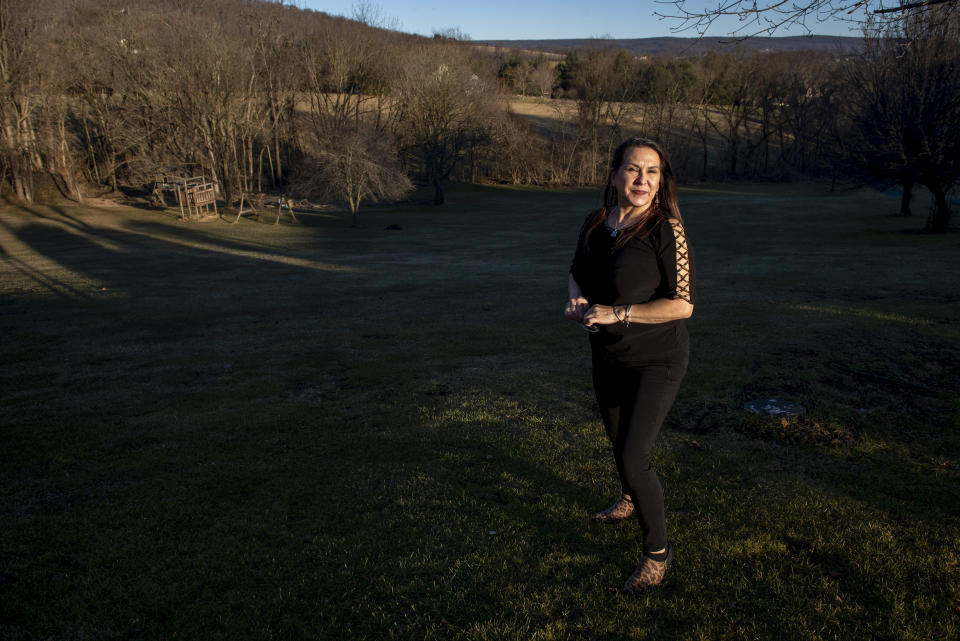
622,509
648,574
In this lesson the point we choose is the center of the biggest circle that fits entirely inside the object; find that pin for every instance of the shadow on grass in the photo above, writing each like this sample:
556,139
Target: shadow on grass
54,252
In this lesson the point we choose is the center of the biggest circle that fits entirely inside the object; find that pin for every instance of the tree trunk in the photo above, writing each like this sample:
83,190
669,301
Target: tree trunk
22,185
278,169
354,209
939,220
906,196
273,171
263,150
706,120
438,197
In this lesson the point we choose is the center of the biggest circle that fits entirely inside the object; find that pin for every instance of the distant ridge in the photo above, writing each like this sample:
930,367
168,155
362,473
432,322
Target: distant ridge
688,46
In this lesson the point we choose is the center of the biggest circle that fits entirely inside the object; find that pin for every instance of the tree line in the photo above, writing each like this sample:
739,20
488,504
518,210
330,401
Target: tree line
109,94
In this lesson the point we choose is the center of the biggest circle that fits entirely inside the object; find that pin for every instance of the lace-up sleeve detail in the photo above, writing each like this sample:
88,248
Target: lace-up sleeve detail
684,263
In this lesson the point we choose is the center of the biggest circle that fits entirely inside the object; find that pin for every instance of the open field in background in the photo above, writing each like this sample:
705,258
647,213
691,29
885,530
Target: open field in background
272,432
554,58
547,116
552,120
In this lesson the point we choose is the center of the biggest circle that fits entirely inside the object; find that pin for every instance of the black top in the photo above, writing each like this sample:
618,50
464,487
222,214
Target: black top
657,265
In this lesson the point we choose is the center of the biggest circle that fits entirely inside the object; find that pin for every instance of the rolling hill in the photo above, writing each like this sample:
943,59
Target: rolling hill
670,46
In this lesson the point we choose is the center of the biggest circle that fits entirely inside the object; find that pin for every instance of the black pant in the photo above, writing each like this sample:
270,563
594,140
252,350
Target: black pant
634,399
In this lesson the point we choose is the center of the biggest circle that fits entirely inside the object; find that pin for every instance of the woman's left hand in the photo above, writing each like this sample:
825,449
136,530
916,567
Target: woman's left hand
600,315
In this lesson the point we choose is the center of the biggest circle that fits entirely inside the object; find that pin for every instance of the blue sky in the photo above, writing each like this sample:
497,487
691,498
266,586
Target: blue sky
542,19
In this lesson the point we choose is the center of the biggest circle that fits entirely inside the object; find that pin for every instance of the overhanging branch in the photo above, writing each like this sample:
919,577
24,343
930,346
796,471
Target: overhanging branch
913,5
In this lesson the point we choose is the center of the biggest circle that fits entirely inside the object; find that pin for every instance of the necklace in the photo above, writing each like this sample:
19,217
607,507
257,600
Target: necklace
615,231
637,219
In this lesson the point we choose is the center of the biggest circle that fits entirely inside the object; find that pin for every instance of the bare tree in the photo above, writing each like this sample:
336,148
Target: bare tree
277,59
904,106
348,151
514,72
352,165
805,91
446,108
710,66
22,43
606,87
541,77
117,82
665,86
520,156
373,15
735,101
220,100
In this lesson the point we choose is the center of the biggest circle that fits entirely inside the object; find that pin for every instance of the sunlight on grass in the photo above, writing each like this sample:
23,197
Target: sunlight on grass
859,312
261,256
708,190
30,223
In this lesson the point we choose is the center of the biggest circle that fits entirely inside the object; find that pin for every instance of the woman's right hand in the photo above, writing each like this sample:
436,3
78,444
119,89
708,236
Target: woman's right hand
576,308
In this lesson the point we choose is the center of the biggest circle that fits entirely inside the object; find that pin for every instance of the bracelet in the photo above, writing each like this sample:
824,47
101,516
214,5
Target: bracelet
626,315
616,315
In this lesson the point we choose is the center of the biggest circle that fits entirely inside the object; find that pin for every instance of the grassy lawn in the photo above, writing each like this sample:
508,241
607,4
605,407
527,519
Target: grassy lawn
249,431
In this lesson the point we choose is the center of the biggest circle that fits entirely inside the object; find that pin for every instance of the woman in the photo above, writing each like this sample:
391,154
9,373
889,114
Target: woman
631,283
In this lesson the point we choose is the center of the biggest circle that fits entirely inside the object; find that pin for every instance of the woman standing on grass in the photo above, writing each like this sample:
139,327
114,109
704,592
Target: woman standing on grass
631,283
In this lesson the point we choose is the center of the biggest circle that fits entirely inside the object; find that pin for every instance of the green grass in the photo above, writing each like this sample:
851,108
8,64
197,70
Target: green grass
272,432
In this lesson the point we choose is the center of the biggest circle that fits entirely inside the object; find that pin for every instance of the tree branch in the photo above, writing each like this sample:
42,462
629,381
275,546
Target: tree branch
915,5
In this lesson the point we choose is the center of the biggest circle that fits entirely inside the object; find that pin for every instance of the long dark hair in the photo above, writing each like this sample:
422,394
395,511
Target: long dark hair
666,206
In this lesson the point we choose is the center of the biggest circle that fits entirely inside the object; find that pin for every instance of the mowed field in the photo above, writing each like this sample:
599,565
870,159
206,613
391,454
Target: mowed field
250,431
